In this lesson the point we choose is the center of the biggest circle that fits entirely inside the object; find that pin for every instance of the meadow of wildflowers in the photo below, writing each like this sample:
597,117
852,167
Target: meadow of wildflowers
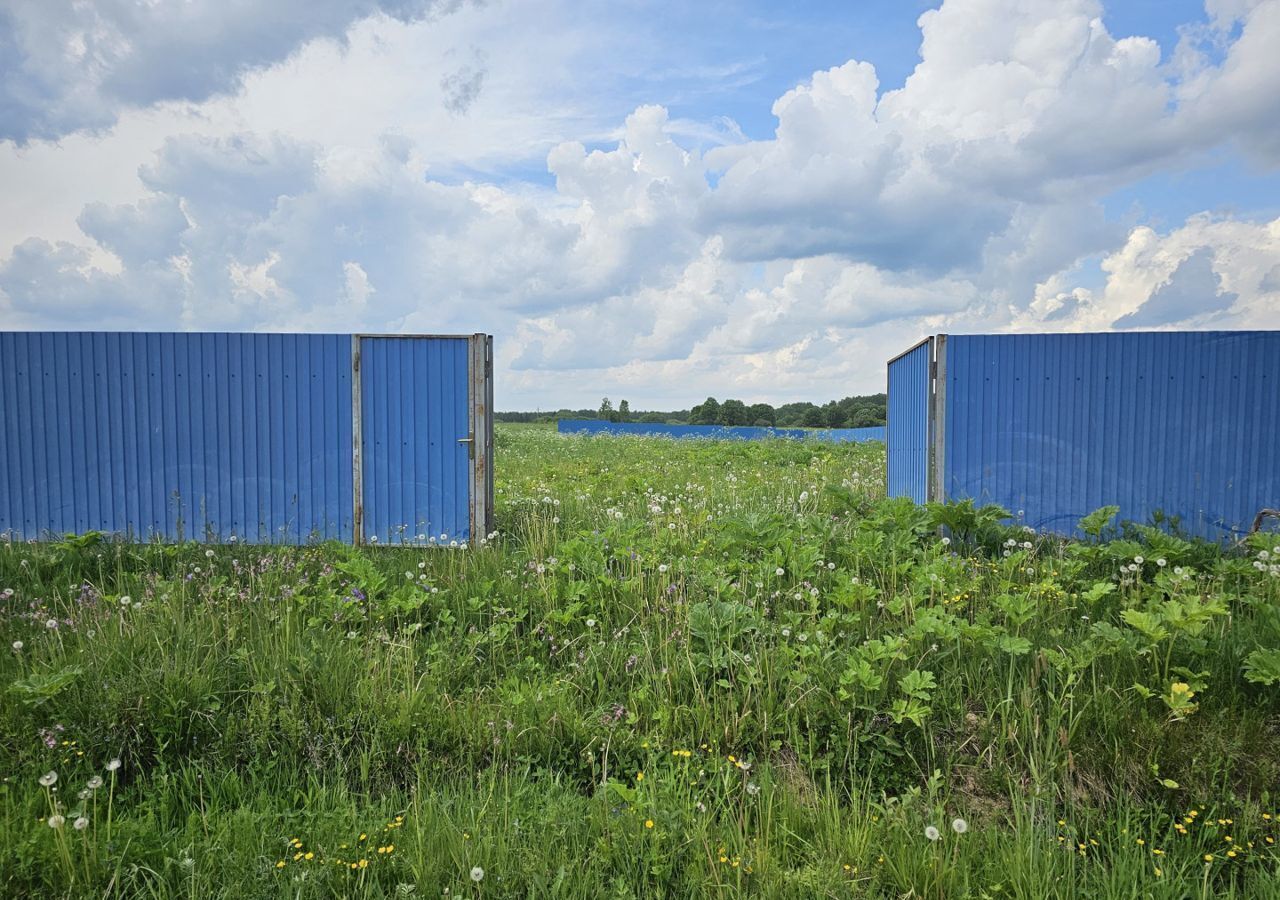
675,670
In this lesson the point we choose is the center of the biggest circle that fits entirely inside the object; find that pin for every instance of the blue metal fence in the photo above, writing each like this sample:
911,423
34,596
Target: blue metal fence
718,432
221,437
1183,425
908,431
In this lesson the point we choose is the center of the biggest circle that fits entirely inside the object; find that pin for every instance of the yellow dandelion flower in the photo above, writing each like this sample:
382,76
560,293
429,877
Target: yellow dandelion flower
1266,817
1227,838
364,863
724,859
363,836
354,866
391,848
1158,872
1208,857
648,823
639,776
1141,842
309,855
281,864
1232,854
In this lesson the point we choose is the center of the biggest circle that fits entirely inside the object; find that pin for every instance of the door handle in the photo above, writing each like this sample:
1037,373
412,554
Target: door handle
470,441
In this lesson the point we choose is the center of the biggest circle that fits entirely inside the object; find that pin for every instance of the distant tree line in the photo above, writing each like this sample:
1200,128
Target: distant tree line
851,412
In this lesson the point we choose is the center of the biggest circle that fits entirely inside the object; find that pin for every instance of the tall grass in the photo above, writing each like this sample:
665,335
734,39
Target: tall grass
679,669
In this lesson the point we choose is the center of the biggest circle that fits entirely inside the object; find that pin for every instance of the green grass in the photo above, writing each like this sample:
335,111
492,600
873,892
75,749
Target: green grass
680,669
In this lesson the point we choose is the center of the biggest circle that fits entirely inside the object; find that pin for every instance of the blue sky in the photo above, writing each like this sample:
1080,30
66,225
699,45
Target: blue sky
655,200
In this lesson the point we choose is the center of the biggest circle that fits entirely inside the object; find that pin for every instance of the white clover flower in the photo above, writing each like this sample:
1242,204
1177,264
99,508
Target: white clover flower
113,765
477,874
80,824
932,833
959,826
49,779
55,821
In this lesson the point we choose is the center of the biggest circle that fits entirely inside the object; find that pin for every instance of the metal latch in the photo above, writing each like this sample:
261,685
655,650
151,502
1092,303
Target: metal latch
470,441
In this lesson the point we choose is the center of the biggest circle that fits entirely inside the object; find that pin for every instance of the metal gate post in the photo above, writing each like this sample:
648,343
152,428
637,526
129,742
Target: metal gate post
480,396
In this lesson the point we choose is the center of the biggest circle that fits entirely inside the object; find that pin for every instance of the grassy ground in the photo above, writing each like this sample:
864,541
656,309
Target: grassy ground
681,669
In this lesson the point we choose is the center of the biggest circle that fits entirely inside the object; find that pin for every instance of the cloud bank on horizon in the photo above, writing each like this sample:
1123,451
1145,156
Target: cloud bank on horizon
552,177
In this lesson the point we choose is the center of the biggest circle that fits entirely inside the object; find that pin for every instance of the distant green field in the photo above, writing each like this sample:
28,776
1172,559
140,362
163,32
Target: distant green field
679,669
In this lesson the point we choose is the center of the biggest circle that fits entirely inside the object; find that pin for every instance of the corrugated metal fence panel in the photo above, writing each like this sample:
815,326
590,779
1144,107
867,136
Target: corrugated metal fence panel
414,410
1054,426
908,429
718,432
180,436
